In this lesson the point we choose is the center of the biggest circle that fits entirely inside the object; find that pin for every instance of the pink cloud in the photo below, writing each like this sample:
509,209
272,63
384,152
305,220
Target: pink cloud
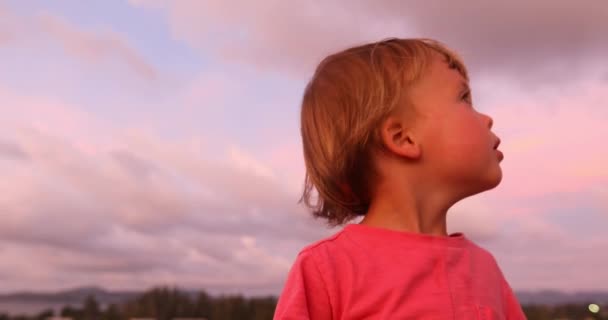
557,261
118,198
101,205
7,24
287,36
554,145
33,115
269,33
94,47
286,157
133,191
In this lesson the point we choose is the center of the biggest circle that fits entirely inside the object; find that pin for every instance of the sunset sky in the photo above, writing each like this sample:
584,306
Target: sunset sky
152,142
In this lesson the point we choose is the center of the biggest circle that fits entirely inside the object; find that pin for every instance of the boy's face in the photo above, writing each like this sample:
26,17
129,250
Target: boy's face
458,146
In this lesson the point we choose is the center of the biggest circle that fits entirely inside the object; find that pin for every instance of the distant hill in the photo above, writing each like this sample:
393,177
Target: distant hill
76,295
553,297
34,302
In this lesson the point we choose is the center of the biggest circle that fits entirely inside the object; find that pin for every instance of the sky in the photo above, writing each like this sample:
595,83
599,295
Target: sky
156,142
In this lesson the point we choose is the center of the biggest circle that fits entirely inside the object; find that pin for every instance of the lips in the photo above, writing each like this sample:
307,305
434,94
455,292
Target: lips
498,152
500,155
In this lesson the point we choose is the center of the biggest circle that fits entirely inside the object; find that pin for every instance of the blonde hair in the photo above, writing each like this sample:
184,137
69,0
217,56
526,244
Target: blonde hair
350,94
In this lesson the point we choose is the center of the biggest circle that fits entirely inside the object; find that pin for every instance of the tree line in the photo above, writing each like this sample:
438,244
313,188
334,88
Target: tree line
165,303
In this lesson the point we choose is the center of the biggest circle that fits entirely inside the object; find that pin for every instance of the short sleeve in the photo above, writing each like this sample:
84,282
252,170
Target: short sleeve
304,295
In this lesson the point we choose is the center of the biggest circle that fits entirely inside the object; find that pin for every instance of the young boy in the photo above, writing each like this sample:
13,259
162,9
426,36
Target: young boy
390,134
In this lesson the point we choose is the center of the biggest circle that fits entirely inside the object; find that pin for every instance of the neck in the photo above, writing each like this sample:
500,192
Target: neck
405,210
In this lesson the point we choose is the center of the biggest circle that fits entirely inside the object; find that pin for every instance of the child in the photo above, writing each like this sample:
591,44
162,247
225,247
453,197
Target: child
390,134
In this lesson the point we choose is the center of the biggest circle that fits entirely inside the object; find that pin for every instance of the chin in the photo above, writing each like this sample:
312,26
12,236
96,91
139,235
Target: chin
493,178
474,183
487,182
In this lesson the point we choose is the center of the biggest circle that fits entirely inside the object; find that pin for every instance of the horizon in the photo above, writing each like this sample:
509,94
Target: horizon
556,303
196,290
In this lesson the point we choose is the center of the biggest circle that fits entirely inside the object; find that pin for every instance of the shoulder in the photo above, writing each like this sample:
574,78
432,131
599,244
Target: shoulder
477,249
483,255
485,260
319,251
324,245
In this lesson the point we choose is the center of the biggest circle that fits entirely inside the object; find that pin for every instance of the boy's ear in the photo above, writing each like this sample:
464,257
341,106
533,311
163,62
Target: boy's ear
400,139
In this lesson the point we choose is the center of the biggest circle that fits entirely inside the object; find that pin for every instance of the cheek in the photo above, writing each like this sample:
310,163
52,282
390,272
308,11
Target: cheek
468,134
465,142
457,138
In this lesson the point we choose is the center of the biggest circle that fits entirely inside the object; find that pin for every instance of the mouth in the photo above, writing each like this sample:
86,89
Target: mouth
500,155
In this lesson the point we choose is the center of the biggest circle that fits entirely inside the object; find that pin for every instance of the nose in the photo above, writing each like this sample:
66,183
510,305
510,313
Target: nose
490,120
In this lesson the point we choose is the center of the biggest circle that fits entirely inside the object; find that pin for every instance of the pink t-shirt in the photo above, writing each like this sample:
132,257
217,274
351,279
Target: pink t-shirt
364,272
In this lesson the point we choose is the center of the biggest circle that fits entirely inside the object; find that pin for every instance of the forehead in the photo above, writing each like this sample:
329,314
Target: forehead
440,74
438,78
438,85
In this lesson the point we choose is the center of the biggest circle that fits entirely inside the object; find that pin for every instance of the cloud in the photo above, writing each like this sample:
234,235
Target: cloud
553,144
12,151
106,217
128,203
548,38
131,206
93,47
7,24
538,254
545,40
129,209
268,33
